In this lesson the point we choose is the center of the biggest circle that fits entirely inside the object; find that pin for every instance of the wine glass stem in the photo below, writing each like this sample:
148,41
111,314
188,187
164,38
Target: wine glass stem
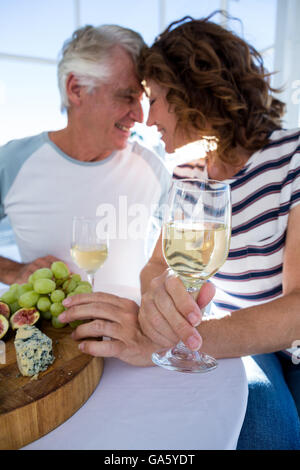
194,291
91,279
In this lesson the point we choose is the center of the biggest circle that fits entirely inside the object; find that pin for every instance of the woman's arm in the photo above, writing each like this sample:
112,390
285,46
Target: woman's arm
259,329
155,266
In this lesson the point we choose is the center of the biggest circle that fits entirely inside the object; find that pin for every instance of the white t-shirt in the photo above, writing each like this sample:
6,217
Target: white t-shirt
42,188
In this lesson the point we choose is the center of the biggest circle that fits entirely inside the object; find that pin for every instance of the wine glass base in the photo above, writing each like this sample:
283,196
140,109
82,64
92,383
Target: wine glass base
184,360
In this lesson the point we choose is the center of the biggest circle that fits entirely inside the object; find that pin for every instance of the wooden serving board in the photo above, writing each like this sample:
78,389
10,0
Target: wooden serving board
31,408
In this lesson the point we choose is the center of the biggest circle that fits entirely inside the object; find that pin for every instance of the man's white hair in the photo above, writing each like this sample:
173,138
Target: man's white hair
87,55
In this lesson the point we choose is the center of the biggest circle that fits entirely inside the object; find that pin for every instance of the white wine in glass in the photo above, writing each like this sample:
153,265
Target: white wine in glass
89,249
196,239
195,251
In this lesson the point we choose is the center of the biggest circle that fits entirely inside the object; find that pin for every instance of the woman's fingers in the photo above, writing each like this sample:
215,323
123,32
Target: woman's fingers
183,300
206,294
175,314
154,325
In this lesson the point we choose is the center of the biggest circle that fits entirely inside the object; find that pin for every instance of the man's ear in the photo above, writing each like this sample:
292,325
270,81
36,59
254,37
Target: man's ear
73,89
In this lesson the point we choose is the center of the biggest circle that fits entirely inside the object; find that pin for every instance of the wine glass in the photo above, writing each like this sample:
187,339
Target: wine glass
89,247
196,238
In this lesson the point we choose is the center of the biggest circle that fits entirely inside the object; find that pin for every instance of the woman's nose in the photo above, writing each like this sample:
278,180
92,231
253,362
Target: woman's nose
150,121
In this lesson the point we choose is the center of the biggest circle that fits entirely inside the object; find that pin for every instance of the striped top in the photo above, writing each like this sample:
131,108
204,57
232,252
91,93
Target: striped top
263,193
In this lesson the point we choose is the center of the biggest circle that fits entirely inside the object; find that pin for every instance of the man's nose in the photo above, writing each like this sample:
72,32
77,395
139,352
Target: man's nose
137,112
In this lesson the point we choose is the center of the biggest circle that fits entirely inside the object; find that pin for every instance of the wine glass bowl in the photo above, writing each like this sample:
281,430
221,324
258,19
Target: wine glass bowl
196,238
89,247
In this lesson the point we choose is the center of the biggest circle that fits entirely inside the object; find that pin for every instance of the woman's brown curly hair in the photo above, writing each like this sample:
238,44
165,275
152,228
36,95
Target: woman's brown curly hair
214,78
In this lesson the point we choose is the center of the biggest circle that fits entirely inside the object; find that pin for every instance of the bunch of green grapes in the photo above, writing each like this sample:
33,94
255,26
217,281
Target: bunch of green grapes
45,290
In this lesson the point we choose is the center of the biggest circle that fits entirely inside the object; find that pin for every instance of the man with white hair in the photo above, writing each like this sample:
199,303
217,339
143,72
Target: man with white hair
88,168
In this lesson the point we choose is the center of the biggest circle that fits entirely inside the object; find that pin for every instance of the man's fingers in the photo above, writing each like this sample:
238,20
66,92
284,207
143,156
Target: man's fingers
80,299
43,262
90,311
24,270
30,268
88,306
96,329
96,297
111,348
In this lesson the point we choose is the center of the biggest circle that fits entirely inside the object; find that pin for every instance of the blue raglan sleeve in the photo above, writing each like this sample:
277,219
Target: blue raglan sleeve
12,156
3,171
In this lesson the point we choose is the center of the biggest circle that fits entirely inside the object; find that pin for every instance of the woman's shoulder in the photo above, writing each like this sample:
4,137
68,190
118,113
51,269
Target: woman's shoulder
284,139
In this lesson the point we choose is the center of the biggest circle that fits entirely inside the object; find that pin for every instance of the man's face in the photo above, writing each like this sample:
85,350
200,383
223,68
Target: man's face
111,110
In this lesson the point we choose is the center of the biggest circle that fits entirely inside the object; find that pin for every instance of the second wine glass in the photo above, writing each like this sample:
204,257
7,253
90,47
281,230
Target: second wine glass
89,247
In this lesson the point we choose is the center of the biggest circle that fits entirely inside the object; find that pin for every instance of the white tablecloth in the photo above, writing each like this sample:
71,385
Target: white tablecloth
153,408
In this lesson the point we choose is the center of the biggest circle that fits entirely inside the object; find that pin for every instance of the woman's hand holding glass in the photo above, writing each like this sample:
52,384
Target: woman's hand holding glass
169,314
196,237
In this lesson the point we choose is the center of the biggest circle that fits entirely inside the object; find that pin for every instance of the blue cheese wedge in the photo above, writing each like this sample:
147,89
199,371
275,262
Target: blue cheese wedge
33,349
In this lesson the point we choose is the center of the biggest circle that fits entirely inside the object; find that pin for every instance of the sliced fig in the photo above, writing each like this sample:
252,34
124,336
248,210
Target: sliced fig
4,325
24,316
4,310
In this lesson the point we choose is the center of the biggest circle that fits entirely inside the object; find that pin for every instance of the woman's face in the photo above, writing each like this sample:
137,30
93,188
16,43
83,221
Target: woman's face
162,116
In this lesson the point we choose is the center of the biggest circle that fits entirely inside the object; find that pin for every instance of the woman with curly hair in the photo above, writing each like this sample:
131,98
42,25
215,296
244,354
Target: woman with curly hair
204,82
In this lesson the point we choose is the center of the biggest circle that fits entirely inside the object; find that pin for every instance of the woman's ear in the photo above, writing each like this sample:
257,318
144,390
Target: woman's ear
73,89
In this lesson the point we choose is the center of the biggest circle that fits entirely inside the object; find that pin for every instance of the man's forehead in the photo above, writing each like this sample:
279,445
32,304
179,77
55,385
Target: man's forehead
136,90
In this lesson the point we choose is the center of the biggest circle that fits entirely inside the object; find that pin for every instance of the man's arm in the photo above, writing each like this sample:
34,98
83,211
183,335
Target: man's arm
13,272
9,270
